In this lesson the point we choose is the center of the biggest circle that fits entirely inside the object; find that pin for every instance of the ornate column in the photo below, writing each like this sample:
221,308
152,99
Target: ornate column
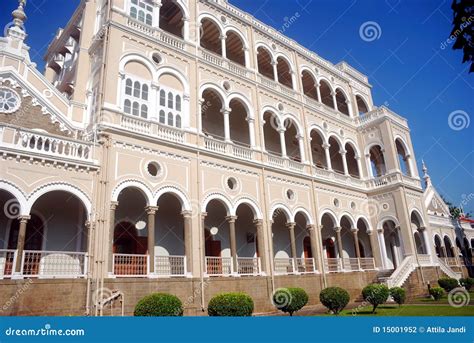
261,243
20,247
151,212
223,45
247,56
187,216
203,233
185,28
233,242
339,245
333,93
251,122
282,142
291,229
318,90
349,106
156,13
226,112
344,161
199,117
326,147
314,243
300,139
113,208
359,166
275,71
355,232
383,248
153,112
262,134
293,80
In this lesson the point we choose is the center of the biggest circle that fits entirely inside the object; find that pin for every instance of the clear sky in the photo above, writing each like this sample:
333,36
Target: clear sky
409,70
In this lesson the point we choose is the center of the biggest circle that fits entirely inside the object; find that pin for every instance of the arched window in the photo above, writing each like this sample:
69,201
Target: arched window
136,98
170,119
210,37
403,158
178,103
178,121
162,98
171,18
361,105
170,100
377,161
142,11
162,117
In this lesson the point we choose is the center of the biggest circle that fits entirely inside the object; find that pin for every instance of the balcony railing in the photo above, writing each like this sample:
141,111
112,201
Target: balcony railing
424,260
170,266
7,262
54,264
45,144
333,265
164,37
248,266
450,261
219,266
130,265
228,148
305,265
223,62
284,266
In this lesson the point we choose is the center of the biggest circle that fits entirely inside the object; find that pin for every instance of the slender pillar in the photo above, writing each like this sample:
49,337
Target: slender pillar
261,243
151,212
282,142
359,166
314,243
224,51
247,56
203,228
187,216
301,147
328,155
344,162
293,80
339,244
154,100
251,123
20,247
427,242
383,248
355,232
291,229
233,242
185,28
318,91
334,100
113,208
226,113
275,71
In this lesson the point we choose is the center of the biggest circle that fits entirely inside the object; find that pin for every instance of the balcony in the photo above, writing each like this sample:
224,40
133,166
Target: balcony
228,148
221,62
377,114
224,266
44,264
288,266
45,145
157,33
135,265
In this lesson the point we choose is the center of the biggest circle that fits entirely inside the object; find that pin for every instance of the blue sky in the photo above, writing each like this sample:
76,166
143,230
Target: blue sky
409,71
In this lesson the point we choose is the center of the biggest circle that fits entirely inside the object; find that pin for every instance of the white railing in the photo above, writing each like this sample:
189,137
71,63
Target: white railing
242,152
219,266
447,269
223,63
7,262
164,37
248,265
170,265
367,263
276,161
424,260
305,265
296,165
55,264
283,266
135,124
351,264
332,265
450,261
212,58
170,134
403,271
31,141
130,265
215,145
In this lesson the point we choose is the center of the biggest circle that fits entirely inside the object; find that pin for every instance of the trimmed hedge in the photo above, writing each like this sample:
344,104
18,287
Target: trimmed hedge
159,305
290,300
376,294
467,283
334,298
436,292
398,294
230,305
448,284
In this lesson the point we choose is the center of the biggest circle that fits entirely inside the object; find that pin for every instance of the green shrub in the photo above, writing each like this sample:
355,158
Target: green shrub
334,298
159,305
376,294
290,300
230,305
398,294
448,284
436,292
467,283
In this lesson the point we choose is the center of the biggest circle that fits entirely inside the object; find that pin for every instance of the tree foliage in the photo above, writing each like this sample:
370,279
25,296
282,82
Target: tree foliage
463,29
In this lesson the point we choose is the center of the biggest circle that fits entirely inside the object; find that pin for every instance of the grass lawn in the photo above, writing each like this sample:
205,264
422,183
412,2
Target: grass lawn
443,300
412,310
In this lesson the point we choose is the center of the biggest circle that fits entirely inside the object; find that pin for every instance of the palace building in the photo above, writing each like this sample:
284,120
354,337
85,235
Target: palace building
183,146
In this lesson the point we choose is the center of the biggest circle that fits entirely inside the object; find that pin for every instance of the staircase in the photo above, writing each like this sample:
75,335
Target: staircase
402,273
448,271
